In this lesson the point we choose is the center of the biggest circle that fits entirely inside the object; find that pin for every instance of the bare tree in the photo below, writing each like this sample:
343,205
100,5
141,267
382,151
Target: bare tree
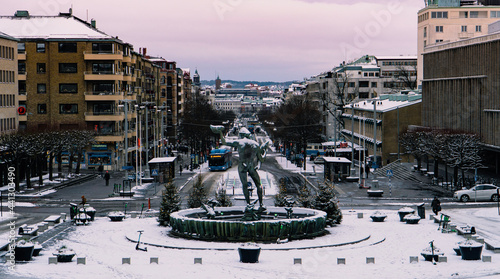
407,77
463,153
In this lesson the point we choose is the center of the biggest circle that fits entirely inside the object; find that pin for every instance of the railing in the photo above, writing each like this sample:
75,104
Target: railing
103,93
103,73
104,52
107,113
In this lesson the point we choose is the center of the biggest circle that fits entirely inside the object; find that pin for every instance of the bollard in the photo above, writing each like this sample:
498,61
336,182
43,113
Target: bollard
442,259
370,260
360,215
297,261
125,260
153,260
340,260
413,259
52,260
63,217
431,217
486,259
81,261
197,260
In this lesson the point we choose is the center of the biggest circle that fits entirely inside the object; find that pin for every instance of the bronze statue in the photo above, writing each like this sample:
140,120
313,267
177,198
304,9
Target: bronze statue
251,154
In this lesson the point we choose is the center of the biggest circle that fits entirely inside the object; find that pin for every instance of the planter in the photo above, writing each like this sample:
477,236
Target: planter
378,216
82,219
249,253
375,193
412,219
116,216
471,251
90,211
36,250
64,255
429,257
24,251
457,251
405,211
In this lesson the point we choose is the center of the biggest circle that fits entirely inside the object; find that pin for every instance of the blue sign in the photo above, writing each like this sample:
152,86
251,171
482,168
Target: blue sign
154,172
390,173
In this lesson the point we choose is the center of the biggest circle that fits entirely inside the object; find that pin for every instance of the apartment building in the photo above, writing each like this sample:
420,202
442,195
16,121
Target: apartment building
461,91
74,76
443,21
9,111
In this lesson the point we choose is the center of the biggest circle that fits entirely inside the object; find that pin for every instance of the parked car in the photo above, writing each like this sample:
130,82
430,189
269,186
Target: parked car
319,160
482,192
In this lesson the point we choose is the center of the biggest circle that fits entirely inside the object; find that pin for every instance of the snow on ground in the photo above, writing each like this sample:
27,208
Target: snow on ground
391,243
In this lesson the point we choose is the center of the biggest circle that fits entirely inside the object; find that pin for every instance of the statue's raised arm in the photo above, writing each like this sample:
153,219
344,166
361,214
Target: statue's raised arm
217,129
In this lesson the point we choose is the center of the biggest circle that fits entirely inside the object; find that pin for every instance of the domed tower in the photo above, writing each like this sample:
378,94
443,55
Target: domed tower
196,78
218,83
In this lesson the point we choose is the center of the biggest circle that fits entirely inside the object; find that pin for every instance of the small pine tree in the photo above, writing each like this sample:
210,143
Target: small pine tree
171,201
281,198
222,198
326,201
304,197
198,194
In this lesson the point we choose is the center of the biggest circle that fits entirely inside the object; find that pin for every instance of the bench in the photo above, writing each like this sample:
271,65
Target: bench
27,230
54,219
492,246
466,230
127,194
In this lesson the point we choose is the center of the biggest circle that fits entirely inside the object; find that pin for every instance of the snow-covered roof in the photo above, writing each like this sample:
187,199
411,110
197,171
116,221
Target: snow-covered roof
51,28
386,103
337,160
409,57
162,160
6,36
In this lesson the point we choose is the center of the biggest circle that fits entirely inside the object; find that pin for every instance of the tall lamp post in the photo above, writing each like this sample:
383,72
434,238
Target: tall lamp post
125,110
161,109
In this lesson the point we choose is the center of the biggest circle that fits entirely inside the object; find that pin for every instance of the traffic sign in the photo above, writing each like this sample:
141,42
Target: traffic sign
390,173
154,172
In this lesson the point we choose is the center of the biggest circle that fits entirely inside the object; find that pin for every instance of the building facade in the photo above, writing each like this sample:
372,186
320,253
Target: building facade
461,91
443,21
9,111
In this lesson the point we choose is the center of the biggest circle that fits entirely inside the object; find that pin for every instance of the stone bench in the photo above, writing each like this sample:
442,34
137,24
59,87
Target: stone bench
466,231
54,219
492,246
27,230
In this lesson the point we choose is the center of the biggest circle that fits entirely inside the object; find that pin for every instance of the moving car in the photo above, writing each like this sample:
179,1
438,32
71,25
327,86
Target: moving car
482,192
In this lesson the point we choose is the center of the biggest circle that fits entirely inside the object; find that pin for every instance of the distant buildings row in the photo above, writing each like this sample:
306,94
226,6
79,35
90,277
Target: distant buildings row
68,74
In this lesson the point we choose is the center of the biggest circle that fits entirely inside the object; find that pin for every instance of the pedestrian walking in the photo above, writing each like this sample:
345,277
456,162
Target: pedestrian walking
100,169
436,205
106,177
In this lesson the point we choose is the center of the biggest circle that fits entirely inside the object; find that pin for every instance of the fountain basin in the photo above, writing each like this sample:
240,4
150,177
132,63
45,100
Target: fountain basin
228,226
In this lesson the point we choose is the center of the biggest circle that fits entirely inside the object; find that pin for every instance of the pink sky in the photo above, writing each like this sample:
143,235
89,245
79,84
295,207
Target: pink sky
261,40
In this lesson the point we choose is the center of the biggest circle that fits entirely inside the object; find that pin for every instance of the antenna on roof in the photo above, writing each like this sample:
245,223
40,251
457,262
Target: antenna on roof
87,16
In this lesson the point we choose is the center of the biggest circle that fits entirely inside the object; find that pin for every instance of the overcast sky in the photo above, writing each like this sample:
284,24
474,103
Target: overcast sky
263,40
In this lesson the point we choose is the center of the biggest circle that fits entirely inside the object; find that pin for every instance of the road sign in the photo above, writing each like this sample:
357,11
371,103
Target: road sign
390,173
154,172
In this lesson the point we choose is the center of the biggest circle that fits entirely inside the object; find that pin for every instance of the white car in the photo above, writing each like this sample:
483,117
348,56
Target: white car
482,192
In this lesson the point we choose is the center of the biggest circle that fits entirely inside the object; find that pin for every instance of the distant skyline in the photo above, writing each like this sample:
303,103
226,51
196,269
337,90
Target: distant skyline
262,40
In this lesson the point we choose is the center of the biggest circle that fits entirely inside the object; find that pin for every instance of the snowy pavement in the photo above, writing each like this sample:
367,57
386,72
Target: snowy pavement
390,243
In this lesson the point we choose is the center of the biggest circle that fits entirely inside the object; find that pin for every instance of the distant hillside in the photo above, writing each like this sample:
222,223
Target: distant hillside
241,84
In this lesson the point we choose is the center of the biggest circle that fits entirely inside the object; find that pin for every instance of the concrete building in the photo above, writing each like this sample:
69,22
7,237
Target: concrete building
9,111
460,91
443,21
392,114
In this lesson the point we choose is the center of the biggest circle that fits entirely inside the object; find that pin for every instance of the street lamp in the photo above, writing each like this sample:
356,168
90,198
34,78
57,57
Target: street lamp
161,109
125,109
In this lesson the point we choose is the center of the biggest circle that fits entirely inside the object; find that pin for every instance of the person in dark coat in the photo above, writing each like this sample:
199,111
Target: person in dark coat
100,169
436,205
106,177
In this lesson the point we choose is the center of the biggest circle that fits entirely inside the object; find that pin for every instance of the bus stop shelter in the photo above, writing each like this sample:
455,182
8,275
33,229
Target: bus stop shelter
162,168
337,168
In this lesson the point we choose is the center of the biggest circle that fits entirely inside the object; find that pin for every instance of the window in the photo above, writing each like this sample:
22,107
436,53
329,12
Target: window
21,47
42,109
425,43
41,88
102,48
68,108
474,14
103,88
40,47
374,84
439,41
351,84
495,14
439,29
439,15
22,87
68,88
425,32
21,68
102,68
40,68
363,84
464,14
67,47
478,28
464,28
67,68
365,74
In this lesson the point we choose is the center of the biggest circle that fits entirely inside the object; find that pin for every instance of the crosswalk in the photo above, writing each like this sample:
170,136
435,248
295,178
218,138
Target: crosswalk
400,171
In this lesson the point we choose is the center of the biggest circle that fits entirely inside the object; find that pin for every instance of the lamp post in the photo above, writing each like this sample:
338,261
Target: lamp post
125,110
161,109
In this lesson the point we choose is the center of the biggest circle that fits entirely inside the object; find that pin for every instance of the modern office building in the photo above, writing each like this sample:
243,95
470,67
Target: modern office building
460,91
443,21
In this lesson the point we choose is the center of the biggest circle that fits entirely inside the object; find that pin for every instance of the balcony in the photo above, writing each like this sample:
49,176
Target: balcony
128,77
104,116
104,76
103,96
118,55
21,75
21,55
114,137
23,118
127,59
22,96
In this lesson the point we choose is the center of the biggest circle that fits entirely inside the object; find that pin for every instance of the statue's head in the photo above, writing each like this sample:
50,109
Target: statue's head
244,133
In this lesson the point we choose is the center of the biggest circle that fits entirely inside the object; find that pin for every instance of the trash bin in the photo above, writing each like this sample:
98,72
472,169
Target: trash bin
421,210
73,210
